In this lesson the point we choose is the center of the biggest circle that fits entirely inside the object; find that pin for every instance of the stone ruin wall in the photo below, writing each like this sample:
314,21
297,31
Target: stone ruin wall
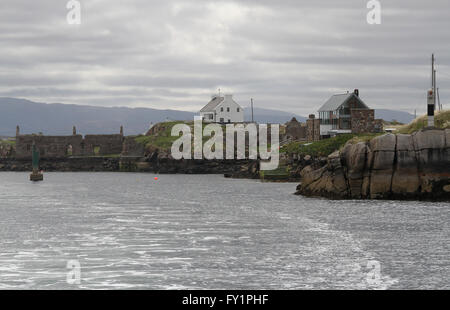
363,121
312,129
295,130
105,144
48,146
64,146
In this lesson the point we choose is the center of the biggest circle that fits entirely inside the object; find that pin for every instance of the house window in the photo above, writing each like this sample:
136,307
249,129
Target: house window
229,121
334,122
345,124
221,109
228,109
325,118
239,110
221,119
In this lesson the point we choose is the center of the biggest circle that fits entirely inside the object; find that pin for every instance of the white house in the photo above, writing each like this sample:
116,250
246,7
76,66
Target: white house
222,110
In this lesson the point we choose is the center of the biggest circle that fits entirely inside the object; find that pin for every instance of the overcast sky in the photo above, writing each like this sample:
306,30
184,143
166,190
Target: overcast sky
286,54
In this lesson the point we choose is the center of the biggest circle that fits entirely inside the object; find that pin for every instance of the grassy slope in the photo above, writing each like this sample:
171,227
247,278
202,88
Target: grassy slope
164,139
7,142
442,120
324,147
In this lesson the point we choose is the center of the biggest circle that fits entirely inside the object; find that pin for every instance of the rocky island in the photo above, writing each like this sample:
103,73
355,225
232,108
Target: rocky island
401,166
414,164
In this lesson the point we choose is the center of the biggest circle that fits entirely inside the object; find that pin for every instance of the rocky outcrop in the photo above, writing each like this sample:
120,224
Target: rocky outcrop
391,166
234,168
63,164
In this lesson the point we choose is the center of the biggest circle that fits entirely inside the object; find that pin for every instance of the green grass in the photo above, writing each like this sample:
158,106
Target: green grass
163,141
325,147
96,150
442,120
164,138
279,174
8,142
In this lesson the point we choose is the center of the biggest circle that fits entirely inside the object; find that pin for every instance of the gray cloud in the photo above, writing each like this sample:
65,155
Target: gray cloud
287,54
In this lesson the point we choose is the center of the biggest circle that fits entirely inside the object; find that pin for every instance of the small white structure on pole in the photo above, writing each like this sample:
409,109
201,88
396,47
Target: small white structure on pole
431,95
430,101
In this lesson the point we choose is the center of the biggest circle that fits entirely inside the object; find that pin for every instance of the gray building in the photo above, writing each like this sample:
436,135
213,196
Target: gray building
346,113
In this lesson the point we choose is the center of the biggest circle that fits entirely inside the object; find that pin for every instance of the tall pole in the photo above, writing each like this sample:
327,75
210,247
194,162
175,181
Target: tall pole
433,80
252,110
439,100
432,71
435,90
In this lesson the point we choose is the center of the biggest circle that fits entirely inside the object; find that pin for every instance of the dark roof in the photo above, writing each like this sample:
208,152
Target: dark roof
337,100
212,104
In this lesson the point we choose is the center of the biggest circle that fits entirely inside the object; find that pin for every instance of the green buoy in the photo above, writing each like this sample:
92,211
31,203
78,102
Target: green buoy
36,175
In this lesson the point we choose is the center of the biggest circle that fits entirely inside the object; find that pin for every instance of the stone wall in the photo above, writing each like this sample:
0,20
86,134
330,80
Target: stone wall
64,146
49,146
312,129
132,148
378,125
362,120
103,144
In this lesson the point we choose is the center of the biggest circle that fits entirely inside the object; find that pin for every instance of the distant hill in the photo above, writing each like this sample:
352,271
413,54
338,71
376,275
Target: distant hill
58,119
390,115
270,116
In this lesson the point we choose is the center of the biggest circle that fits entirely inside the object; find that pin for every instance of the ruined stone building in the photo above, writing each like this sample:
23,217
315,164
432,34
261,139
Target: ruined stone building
295,130
65,146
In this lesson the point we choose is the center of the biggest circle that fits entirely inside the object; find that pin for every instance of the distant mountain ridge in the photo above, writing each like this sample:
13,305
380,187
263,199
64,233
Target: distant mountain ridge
58,119
391,115
270,116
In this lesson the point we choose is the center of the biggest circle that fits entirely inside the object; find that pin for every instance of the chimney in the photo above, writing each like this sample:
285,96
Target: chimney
17,131
74,130
312,116
356,92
